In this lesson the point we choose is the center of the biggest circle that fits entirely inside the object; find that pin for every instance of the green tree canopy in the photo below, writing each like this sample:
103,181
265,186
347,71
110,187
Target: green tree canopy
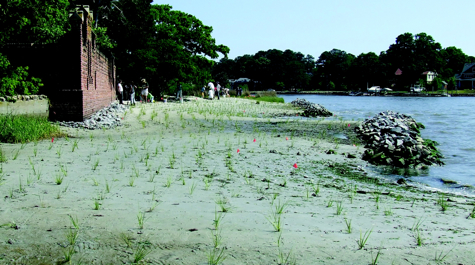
28,21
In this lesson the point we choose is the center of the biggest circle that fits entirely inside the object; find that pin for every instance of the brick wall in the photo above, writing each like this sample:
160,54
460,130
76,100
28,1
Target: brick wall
97,74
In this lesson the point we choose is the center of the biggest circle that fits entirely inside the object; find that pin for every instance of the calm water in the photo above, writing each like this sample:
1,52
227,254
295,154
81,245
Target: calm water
449,121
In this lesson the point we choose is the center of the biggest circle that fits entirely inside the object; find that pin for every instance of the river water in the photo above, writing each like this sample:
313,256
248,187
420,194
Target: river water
448,120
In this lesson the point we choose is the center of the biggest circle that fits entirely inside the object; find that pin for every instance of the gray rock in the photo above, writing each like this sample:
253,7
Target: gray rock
393,139
108,118
311,109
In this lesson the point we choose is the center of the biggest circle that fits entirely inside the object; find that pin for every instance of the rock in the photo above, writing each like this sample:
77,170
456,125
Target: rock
311,109
394,139
448,181
401,182
105,118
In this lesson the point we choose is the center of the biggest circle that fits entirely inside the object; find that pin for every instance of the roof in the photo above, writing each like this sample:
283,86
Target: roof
467,66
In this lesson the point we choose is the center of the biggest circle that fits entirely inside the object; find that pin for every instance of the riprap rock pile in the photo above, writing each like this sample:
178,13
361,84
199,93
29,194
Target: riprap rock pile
107,117
311,109
394,139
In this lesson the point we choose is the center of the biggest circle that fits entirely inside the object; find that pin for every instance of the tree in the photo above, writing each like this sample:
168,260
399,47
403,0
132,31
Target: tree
160,44
28,21
366,70
454,59
185,44
414,54
334,66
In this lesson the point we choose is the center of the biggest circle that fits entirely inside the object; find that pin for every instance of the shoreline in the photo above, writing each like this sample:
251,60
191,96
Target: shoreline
179,166
346,93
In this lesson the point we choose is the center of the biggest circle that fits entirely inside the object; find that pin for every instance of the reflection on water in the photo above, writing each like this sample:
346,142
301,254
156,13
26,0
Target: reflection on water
449,121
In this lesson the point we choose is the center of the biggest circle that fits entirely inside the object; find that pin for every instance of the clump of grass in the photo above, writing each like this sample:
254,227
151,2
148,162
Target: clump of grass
348,225
26,128
443,203
339,207
3,158
97,205
193,187
388,211
472,214
74,221
440,257
72,236
276,221
169,182
374,260
363,239
417,224
141,219
216,256
140,253
96,164
218,217
59,179
418,236
223,204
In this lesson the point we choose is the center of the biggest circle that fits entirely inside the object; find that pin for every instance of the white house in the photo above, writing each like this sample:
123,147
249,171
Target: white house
429,76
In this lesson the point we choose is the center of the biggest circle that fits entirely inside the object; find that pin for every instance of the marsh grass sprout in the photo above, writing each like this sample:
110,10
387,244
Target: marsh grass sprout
140,253
97,204
348,225
59,179
141,219
364,238
74,221
339,207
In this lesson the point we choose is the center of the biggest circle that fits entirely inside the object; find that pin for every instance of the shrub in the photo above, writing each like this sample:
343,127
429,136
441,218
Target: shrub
23,128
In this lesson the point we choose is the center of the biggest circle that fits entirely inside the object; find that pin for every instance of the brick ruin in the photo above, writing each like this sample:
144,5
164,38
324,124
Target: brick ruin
78,79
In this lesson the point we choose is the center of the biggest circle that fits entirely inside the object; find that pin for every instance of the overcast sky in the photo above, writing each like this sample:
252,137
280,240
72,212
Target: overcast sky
314,26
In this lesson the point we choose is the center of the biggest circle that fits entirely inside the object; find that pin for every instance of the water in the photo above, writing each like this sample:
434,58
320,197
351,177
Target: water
449,121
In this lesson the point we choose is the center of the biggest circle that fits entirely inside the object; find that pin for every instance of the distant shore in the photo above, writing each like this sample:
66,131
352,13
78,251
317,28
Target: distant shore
347,93
184,183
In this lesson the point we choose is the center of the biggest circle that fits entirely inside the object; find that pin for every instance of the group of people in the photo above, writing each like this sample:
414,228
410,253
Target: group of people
130,89
214,91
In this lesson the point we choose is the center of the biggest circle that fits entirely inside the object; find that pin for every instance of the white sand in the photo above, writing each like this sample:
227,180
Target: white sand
311,232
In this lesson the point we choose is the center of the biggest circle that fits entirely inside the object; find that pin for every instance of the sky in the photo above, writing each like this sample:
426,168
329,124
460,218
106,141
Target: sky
315,26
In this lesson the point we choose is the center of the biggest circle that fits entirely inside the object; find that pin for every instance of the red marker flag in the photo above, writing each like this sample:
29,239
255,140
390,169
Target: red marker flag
254,140
238,151
52,139
287,138
295,165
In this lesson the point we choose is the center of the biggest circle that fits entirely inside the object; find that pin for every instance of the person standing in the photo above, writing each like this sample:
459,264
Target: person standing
144,90
203,92
120,91
132,93
211,90
179,91
218,89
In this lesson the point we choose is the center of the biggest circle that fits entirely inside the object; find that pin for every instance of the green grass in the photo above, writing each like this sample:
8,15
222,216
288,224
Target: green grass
267,99
364,238
22,128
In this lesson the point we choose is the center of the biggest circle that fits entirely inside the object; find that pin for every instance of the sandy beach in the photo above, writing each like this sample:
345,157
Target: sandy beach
186,183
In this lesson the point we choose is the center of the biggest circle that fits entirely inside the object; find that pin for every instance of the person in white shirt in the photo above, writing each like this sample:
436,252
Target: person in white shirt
218,89
120,92
211,90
